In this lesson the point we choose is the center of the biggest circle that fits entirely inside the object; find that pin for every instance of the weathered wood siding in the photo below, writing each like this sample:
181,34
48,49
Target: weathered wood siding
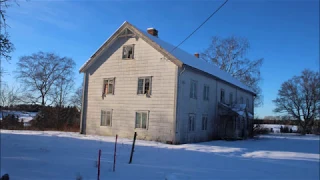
125,101
199,106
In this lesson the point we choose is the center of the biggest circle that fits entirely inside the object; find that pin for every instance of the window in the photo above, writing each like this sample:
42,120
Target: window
106,118
128,52
142,119
193,89
206,92
191,122
241,100
144,85
108,86
222,99
204,122
230,99
247,103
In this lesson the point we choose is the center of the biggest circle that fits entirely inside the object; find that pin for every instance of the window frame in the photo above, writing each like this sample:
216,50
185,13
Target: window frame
191,122
123,48
206,92
110,111
193,89
222,98
147,120
241,100
144,84
204,125
231,98
104,84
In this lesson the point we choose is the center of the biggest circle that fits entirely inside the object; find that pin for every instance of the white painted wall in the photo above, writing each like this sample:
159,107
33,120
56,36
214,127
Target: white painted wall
125,101
187,105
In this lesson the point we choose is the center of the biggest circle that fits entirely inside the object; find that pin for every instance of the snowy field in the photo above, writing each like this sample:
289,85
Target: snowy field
63,155
276,127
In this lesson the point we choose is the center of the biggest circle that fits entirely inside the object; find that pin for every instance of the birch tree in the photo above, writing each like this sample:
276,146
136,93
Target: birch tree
229,54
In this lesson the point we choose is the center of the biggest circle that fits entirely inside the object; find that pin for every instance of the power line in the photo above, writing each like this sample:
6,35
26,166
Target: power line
200,25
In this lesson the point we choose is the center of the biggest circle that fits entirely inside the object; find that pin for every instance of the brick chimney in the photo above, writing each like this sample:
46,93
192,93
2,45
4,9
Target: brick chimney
153,32
196,55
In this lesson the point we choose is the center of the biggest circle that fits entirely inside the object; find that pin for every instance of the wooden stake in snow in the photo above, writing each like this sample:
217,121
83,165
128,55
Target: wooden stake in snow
115,153
99,164
132,150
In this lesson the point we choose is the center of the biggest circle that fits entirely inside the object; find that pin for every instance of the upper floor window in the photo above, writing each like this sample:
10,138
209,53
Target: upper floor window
222,96
191,122
206,92
241,100
144,85
230,99
247,103
142,118
106,118
128,52
108,86
193,89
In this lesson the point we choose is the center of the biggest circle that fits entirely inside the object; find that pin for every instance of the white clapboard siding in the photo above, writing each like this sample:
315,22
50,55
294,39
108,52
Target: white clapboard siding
125,101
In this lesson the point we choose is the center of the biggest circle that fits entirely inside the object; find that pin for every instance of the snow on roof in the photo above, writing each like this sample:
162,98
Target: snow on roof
197,63
185,58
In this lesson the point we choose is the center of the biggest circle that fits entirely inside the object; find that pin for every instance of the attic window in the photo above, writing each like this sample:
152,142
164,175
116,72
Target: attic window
128,52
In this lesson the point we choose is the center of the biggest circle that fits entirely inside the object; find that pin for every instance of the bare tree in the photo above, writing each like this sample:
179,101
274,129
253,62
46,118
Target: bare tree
9,95
229,55
62,89
299,97
76,99
6,46
40,73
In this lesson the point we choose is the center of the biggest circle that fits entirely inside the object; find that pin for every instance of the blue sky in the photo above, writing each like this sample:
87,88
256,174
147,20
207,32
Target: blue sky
284,33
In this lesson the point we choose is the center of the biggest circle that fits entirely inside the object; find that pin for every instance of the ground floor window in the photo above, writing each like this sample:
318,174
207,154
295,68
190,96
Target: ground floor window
142,118
204,122
106,117
192,122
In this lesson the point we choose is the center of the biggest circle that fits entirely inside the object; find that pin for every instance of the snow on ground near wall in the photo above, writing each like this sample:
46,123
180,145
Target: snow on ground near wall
65,155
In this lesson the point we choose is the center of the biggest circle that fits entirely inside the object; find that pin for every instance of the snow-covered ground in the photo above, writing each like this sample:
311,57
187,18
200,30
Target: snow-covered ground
65,155
23,115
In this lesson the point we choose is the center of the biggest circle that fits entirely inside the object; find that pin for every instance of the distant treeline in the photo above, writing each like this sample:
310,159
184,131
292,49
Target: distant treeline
282,122
22,107
47,118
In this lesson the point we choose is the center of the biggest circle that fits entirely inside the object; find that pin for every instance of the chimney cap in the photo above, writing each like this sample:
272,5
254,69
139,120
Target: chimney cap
196,55
153,31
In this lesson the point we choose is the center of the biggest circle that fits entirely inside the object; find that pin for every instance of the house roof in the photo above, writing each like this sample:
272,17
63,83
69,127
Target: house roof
176,53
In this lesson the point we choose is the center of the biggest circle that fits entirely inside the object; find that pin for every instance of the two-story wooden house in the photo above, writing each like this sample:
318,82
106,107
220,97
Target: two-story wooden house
135,82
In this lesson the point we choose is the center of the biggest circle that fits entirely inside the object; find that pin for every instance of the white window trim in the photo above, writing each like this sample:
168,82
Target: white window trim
147,122
132,45
143,87
230,99
106,110
206,124
104,94
206,92
193,89
224,96
193,123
